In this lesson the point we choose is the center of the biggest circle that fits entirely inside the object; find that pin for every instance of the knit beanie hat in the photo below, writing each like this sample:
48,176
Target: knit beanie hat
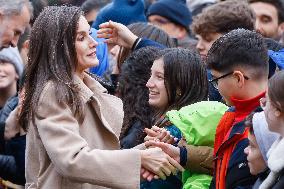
12,55
174,10
122,11
264,137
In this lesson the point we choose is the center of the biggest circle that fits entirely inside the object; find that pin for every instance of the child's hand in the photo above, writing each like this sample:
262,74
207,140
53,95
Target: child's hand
159,134
116,33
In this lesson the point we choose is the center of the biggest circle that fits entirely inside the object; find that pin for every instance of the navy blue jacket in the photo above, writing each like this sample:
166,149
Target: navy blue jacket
12,158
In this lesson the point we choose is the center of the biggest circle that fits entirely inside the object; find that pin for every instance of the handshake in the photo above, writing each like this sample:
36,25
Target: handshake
161,158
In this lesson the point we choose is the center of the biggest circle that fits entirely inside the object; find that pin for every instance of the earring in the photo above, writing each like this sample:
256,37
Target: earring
178,92
277,113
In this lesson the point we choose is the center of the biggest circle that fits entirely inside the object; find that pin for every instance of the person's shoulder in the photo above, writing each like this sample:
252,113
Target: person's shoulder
48,88
280,181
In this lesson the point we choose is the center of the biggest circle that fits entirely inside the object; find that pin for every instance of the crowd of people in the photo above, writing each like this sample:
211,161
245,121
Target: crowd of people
150,94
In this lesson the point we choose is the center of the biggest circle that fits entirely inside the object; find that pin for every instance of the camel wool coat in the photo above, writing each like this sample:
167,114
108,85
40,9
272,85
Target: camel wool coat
62,153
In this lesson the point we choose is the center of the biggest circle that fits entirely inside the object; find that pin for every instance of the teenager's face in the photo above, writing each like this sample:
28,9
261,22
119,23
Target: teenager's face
204,43
8,76
85,47
158,96
266,19
272,115
14,27
256,162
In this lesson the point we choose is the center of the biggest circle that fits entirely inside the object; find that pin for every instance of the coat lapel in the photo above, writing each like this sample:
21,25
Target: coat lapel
108,108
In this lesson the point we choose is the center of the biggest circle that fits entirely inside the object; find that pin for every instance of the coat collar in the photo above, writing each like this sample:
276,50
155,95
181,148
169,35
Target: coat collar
245,107
104,104
88,87
275,156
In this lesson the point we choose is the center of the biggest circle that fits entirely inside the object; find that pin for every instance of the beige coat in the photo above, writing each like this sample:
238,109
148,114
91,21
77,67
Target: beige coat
61,153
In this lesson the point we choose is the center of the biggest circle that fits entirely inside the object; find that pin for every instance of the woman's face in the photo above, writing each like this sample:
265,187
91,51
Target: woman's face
256,162
158,97
272,114
85,47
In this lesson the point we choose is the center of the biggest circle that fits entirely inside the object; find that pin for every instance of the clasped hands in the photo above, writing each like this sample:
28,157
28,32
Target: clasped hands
165,157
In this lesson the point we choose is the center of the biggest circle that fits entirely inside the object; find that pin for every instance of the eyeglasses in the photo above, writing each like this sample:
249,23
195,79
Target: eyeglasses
214,82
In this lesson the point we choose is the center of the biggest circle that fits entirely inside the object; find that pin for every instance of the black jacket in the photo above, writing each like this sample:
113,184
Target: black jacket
132,137
12,152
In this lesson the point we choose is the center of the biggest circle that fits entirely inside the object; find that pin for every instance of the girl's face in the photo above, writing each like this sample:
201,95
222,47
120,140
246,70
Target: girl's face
85,47
272,114
8,76
256,162
158,97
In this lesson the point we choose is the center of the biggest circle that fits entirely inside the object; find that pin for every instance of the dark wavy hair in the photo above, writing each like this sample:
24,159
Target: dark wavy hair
135,73
52,57
185,78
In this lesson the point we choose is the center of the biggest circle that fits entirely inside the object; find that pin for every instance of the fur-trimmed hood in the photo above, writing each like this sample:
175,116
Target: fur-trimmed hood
275,163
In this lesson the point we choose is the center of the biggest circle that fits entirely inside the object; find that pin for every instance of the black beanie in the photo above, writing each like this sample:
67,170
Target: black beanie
174,10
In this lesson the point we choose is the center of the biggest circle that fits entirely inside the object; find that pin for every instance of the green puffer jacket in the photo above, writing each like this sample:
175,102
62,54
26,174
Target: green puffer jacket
198,123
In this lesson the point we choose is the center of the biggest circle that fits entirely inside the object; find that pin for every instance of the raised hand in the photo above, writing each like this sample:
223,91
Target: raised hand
116,34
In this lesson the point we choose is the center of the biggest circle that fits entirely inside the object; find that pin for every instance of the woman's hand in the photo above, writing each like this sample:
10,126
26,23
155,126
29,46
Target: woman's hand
116,33
169,149
159,163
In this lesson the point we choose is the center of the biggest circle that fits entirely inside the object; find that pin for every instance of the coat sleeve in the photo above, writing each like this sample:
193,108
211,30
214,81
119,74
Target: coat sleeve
71,155
199,158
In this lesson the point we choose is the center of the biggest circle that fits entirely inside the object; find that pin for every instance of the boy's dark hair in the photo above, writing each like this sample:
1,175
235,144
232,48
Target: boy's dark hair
278,4
239,48
224,17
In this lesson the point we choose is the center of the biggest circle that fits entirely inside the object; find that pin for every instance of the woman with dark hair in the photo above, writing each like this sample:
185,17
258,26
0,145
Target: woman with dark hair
273,105
72,139
178,78
183,80
134,94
